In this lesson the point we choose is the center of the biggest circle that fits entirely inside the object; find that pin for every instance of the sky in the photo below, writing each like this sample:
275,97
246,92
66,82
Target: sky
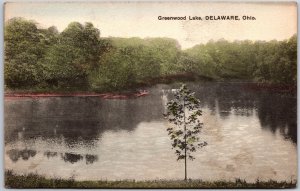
140,19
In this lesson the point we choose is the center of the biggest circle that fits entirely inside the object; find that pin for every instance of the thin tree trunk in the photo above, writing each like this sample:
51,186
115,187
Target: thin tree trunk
185,170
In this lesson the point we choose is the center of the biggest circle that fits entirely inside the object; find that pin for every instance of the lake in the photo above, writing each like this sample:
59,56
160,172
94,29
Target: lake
251,134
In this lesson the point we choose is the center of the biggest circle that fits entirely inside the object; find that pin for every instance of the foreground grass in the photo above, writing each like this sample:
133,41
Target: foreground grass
35,181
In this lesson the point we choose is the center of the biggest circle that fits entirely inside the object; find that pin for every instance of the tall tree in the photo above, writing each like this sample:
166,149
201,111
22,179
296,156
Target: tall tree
24,47
184,112
76,53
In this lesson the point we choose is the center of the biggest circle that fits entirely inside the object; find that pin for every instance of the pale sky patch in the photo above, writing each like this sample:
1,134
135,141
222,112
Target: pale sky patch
140,19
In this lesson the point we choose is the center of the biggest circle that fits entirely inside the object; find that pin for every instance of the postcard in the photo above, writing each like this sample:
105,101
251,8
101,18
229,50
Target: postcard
150,94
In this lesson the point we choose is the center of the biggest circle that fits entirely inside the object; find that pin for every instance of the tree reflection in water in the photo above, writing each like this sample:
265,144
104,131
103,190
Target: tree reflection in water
50,154
90,159
86,132
83,120
25,154
71,157
279,113
15,154
276,111
77,119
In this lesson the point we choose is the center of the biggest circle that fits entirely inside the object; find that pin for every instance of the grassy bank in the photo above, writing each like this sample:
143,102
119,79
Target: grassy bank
35,181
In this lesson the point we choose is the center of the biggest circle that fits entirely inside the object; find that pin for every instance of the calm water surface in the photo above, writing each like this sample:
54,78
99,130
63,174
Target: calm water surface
250,134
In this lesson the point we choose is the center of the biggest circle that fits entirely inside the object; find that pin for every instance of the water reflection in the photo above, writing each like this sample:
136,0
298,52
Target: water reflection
76,119
276,112
50,154
16,154
26,154
279,113
71,157
123,138
85,119
90,159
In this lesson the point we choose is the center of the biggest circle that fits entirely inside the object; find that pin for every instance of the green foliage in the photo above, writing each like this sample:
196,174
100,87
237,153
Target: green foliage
71,59
272,62
85,39
134,61
277,61
25,45
166,52
221,59
44,57
184,112
115,73
37,58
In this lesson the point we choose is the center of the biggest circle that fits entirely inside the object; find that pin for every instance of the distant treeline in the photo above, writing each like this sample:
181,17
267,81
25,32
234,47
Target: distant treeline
78,59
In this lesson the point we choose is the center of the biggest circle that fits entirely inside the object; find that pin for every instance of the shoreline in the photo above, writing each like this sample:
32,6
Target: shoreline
37,181
127,93
81,94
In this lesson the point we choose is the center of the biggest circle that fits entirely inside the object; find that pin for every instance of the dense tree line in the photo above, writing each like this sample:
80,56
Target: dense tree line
37,58
45,57
134,61
273,62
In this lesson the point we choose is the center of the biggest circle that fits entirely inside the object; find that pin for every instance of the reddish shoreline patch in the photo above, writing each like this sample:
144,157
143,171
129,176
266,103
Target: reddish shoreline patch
100,95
